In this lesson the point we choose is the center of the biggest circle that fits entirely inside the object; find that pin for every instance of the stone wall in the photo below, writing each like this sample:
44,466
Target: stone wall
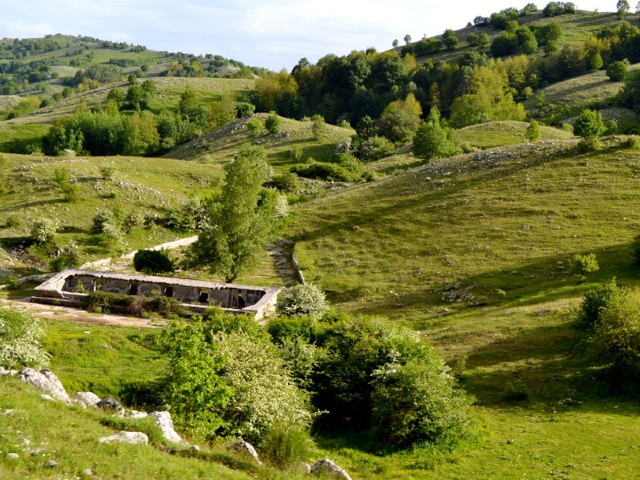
197,295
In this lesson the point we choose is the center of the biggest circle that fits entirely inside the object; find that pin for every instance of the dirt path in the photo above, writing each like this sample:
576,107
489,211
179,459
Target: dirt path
105,263
52,312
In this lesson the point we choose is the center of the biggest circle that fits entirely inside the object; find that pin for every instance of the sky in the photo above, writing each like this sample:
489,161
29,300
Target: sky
274,34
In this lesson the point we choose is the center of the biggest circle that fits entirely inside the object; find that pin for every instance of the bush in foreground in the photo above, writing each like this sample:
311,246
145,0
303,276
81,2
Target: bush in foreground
20,335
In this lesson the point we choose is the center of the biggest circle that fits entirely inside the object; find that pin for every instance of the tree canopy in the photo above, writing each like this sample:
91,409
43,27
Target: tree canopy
240,220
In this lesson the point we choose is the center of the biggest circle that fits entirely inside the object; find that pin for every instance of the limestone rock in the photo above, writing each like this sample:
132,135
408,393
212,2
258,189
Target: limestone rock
8,372
246,448
51,464
24,442
45,380
326,466
88,399
13,456
163,420
135,414
110,405
131,438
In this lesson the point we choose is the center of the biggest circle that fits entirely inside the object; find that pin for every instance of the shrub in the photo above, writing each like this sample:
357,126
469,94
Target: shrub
617,333
582,265
194,389
255,126
286,182
319,128
152,261
107,171
617,71
273,124
374,148
595,301
265,396
589,126
43,231
20,335
68,257
13,221
387,378
302,300
101,220
532,133
285,445
418,402
132,220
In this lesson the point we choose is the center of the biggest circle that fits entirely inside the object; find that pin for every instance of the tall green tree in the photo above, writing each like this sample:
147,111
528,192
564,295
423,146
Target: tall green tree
590,127
240,220
623,8
435,140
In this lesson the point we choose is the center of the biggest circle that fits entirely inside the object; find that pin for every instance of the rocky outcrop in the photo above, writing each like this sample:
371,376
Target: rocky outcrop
46,381
88,399
131,438
245,448
164,422
327,467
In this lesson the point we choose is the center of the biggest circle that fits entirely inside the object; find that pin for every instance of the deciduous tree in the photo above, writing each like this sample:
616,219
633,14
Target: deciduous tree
240,220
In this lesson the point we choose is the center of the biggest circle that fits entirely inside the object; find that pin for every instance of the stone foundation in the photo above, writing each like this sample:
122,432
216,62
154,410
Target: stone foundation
74,286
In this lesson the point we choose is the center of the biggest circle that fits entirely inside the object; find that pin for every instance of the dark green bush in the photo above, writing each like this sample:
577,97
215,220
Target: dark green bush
152,261
617,334
595,301
388,379
286,182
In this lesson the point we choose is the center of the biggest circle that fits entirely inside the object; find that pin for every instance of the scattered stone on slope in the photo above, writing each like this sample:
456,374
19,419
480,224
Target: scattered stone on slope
247,449
327,467
87,399
45,380
13,456
164,422
51,464
131,438
110,405
8,372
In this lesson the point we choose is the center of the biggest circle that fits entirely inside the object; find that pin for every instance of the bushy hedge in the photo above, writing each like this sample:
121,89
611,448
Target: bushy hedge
377,376
364,374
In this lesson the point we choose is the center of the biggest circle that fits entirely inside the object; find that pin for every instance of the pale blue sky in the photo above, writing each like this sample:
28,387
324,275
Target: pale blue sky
268,33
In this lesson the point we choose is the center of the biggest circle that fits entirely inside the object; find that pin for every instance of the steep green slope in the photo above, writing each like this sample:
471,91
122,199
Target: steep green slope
496,222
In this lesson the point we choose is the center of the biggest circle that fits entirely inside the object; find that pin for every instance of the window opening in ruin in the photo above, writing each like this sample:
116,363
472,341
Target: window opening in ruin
168,291
133,289
204,297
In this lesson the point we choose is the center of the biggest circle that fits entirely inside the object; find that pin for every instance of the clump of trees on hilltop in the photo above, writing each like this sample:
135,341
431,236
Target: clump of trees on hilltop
108,131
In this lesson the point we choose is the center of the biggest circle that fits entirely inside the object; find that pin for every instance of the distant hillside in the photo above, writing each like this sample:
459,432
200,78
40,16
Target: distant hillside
45,65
